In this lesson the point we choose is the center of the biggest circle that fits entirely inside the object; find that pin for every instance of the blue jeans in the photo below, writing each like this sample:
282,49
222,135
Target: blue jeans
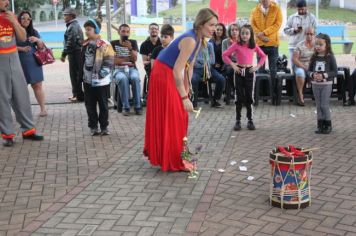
123,80
217,78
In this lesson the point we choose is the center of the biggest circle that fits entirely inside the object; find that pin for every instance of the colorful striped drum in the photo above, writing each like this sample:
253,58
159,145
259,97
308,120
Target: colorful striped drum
290,179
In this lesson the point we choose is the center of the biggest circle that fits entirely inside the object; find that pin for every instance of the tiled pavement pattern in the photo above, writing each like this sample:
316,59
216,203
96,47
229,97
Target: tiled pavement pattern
73,184
125,196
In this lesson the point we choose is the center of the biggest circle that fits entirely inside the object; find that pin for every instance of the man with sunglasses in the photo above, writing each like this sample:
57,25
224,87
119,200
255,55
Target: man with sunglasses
13,87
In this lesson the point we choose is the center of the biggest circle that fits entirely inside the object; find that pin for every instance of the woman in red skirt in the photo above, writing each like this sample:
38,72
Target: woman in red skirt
168,101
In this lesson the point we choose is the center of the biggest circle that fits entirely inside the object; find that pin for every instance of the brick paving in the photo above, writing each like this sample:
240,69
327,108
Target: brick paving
75,184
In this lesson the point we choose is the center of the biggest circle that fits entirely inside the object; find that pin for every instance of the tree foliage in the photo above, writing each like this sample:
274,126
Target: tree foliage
26,4
325,3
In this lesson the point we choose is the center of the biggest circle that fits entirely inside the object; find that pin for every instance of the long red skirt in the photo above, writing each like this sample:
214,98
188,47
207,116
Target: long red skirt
166,120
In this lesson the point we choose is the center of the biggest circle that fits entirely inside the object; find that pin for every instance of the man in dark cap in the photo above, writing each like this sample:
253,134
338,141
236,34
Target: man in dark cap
73,38
297,24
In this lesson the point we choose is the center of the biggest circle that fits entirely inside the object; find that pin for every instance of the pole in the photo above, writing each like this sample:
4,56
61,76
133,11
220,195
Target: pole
317,11
108,18
55,14
285,15
124,12
184,15
13,5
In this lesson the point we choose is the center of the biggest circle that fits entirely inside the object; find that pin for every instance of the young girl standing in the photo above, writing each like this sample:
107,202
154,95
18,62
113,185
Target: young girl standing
322,70
244,72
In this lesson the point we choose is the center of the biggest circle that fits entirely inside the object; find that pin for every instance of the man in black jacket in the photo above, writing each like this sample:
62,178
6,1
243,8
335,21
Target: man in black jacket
73,38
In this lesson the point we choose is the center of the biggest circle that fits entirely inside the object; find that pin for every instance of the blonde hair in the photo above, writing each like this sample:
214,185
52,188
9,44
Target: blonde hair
204,15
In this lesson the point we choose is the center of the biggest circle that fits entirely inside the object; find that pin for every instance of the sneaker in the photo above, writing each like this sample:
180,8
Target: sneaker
8,142
250,125
94,132
126,112
138,111
34,137
216,104
105,131
237,126
73,99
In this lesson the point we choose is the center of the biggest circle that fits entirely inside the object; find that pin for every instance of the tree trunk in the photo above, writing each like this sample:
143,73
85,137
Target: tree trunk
98,12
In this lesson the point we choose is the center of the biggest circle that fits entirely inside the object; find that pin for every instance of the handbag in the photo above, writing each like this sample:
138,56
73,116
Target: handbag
44,56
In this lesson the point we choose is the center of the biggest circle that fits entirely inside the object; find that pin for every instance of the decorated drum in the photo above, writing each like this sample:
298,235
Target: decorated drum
290,179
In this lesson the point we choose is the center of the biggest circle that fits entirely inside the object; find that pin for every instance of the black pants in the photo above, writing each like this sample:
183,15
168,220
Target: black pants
94,96
74,68
272,54
351,86
244,84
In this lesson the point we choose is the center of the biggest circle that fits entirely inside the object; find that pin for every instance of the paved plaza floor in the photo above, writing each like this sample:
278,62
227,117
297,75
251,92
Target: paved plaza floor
75,184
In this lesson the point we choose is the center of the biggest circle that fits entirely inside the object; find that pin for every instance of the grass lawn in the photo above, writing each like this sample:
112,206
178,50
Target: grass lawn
244,8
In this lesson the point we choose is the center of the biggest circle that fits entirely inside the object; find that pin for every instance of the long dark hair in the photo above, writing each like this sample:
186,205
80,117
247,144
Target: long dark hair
29,30
223,36
251,42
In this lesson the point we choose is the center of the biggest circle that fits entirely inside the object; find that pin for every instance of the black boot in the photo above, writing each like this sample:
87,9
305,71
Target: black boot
319,127
237,126
250,125
327,127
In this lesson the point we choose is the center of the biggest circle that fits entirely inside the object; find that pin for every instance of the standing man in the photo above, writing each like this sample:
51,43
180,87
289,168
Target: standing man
13,87
296,26
73,37
148,45
146,50
266,20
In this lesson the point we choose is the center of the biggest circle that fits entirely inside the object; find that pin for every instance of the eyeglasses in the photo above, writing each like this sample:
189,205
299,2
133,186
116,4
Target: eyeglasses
310,34
26,18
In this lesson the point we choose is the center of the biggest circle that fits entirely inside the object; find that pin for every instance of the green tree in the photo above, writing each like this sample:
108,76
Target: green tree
325,3
149,6
25,4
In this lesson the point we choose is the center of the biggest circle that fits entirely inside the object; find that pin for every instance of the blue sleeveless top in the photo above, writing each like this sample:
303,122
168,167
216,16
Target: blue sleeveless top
170,54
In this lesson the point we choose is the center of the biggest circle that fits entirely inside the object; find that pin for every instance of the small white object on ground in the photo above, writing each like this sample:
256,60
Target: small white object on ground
292,115
250,178
233,163
244,161
221,170
243,168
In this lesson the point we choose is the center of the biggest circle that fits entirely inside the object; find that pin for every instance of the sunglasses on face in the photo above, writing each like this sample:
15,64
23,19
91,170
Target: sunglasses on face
26,18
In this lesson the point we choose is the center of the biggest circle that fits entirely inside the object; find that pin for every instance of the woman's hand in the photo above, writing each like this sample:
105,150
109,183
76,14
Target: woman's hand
33,39
25,49
236,68
188,105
